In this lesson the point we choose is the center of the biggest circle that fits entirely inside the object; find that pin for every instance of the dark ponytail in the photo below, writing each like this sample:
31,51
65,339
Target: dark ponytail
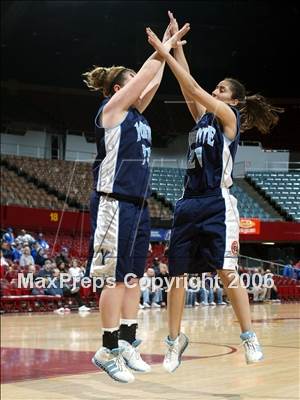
255,110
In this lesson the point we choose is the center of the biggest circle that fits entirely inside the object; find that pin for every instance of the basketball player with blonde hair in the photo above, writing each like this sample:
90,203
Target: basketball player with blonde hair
118,207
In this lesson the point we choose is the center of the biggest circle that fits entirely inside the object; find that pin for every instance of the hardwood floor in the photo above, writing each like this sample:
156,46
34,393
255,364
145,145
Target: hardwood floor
47,356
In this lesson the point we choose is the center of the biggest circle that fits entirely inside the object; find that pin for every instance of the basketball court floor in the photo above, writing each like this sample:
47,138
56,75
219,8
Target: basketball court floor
47,356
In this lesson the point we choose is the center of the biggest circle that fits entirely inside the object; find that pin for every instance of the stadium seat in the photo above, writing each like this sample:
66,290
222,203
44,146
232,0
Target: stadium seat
280,187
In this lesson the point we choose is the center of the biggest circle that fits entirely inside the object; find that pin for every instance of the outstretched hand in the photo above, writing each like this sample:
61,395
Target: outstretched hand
173,23
172,28
174,41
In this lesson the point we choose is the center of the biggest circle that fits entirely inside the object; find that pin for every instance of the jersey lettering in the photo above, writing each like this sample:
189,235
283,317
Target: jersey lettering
206,134
143,131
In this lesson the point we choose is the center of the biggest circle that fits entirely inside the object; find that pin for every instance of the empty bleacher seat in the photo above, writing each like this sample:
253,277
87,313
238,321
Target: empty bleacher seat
282,187
171,187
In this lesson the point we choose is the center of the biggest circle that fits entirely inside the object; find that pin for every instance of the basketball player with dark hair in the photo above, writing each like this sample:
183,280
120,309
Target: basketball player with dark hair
119,212
205,233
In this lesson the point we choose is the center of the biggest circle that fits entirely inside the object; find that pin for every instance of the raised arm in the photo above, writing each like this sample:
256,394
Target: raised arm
195,91
130,93
149,92
196,109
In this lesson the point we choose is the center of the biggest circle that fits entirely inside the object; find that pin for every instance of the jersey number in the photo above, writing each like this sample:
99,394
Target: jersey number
146,154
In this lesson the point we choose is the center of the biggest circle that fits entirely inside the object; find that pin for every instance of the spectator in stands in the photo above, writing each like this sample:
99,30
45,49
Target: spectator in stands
76,274
190,295
63,256
11,273
70,290
39,286
42,242
9,236
34,248
40,257
26,258
256,286
274,294
25,237
7,250
55,289
288,270
164,275
61,266
75,271
30,274
155,266
210,291
297,270
46,271
16,250
203,292
150,295
208,297
268,283
218,292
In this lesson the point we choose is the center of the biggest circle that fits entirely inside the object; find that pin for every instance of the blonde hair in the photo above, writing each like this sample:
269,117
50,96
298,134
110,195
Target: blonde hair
103,79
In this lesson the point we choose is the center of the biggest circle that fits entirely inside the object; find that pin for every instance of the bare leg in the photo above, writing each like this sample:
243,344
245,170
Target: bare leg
110,305
131,301
239,298
176,299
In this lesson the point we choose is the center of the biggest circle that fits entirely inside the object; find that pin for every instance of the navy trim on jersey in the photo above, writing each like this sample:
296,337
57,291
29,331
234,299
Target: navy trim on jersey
123,154
210,156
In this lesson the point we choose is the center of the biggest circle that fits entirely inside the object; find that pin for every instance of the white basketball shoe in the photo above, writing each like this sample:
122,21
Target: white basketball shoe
113,363
132,356
174,352
253,350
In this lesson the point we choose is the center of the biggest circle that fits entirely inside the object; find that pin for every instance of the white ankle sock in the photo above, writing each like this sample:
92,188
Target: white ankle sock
128,321
111,330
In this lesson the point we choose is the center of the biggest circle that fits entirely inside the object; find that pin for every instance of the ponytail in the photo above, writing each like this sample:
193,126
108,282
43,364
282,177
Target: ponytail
103,79
255,111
